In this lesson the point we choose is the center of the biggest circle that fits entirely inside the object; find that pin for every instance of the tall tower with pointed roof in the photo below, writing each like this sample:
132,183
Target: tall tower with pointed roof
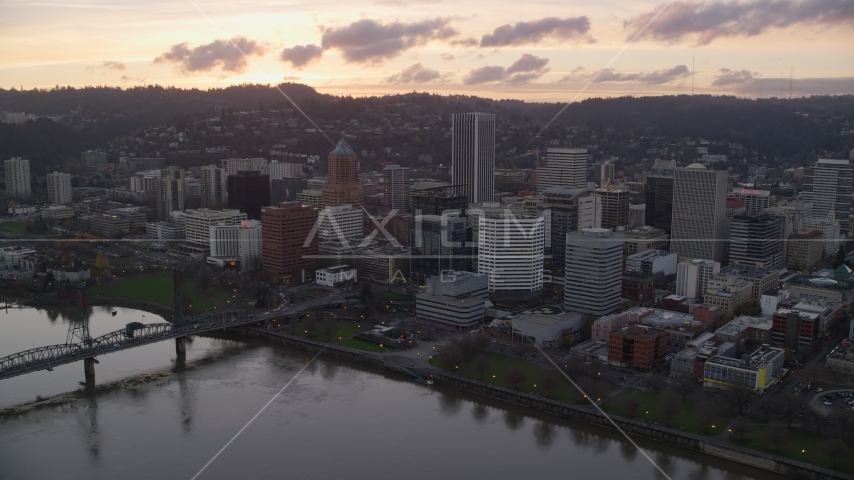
343,186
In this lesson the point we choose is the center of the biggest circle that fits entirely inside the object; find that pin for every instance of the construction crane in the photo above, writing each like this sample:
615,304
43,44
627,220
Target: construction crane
537,170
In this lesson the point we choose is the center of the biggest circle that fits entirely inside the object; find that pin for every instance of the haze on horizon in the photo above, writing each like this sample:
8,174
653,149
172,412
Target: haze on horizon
542,50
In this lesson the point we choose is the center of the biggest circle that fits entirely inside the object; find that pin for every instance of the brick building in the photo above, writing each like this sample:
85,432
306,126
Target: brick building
639,288
287,227
637,346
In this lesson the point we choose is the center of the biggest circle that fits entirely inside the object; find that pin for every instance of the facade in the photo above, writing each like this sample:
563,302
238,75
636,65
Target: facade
59,188
343,185
755,371
828,185
437,244
473,155
242,241
830,232
652,262
57,212
728,292
340,223
285,251
615,206
756,239
547,329
566,210
644,238
565,167
699,213
197,225
817,288
287,189
248,191
754,201
387,264
169,190
455,298
659,202
805,250
692,277
18,178
636,346
436,200
593,276
280,170
92,158
233,166
311,197
798,331
744,329
510,251
396,186
761,279
841,359
335,276
638,287
214,186
165,231
603,173
109,225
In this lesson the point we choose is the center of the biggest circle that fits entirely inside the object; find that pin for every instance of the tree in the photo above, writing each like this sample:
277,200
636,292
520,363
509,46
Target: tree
833,449
707,417
481,365
684,387
668,408
631,406
515,377
451,357
740,397
655,384
840,257
739,427
548,382
365,293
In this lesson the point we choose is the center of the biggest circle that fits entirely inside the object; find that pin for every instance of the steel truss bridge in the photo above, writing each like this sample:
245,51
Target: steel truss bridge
133,335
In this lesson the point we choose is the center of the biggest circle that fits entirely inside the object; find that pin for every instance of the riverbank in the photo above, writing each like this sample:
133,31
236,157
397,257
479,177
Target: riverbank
709,446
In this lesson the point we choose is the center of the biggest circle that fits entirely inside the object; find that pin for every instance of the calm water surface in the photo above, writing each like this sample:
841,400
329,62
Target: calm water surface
335,421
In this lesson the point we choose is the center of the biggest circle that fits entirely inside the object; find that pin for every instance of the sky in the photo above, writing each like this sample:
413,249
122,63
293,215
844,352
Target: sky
540,50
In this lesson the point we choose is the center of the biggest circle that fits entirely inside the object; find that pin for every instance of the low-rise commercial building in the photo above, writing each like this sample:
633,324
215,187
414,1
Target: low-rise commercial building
645,238
795,330
57,212
755,371
637,347
760,279
548,327
824,288
455,298
728,292
743,329
109,225
639,288
335,276
653,262
841,359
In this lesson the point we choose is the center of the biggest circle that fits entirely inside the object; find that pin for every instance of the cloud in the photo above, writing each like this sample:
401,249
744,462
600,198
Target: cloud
551,28
301,55
446,56
402,3
368,41
291,78
655,77
126,78
219,54
524,70
725,77
465,42
414,74
706,21
112,64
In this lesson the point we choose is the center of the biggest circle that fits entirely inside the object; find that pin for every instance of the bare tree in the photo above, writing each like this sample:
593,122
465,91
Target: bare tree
548,382
833,449
669,407
481,365
451,357
684,387
707,417
631,405
739,427
740,398
655,384
515,377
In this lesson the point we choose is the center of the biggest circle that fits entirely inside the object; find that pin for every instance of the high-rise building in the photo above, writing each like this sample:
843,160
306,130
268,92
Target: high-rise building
659,202
473,155
288,249
828,185
248,191
59,188
699,213
692,276
286,189
396,186
236,165
733,207
340,223
435,200
565,210
594,268
169,190
279,170
663,168
437,244
756,239
242,241
754,201
510,251
18,178
603,173
343,186
93,158
197,225
214,186
615,206
565,167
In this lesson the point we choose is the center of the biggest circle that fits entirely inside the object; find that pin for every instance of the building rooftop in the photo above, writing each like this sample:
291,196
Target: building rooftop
650,254
743,322
755,360
747,271
342,148
824,283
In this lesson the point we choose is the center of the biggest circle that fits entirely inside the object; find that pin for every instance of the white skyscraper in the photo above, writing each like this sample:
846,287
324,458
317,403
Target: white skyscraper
280,170
214,186
565,167
699,213
396,186
593,272
18,178
511,252
473,155
170,191
59,188
828,185
692,277
241,241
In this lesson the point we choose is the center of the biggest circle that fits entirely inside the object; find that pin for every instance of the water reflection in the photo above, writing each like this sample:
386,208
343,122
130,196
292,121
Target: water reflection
480,413
544,433
628,451
513,420
449,404
664,462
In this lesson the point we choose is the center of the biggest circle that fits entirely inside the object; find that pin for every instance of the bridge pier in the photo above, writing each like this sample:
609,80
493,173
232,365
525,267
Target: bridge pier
89,370
181,346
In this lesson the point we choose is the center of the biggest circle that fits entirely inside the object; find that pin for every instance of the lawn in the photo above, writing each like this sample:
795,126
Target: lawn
795,444
497,367
687,414
157,288
366,346
313,331
12,227
392,295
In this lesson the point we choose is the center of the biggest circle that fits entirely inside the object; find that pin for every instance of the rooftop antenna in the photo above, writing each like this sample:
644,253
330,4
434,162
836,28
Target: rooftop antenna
781,84
693,71
760,85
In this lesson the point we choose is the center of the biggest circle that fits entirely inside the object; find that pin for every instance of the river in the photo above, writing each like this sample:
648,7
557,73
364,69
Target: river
161,420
